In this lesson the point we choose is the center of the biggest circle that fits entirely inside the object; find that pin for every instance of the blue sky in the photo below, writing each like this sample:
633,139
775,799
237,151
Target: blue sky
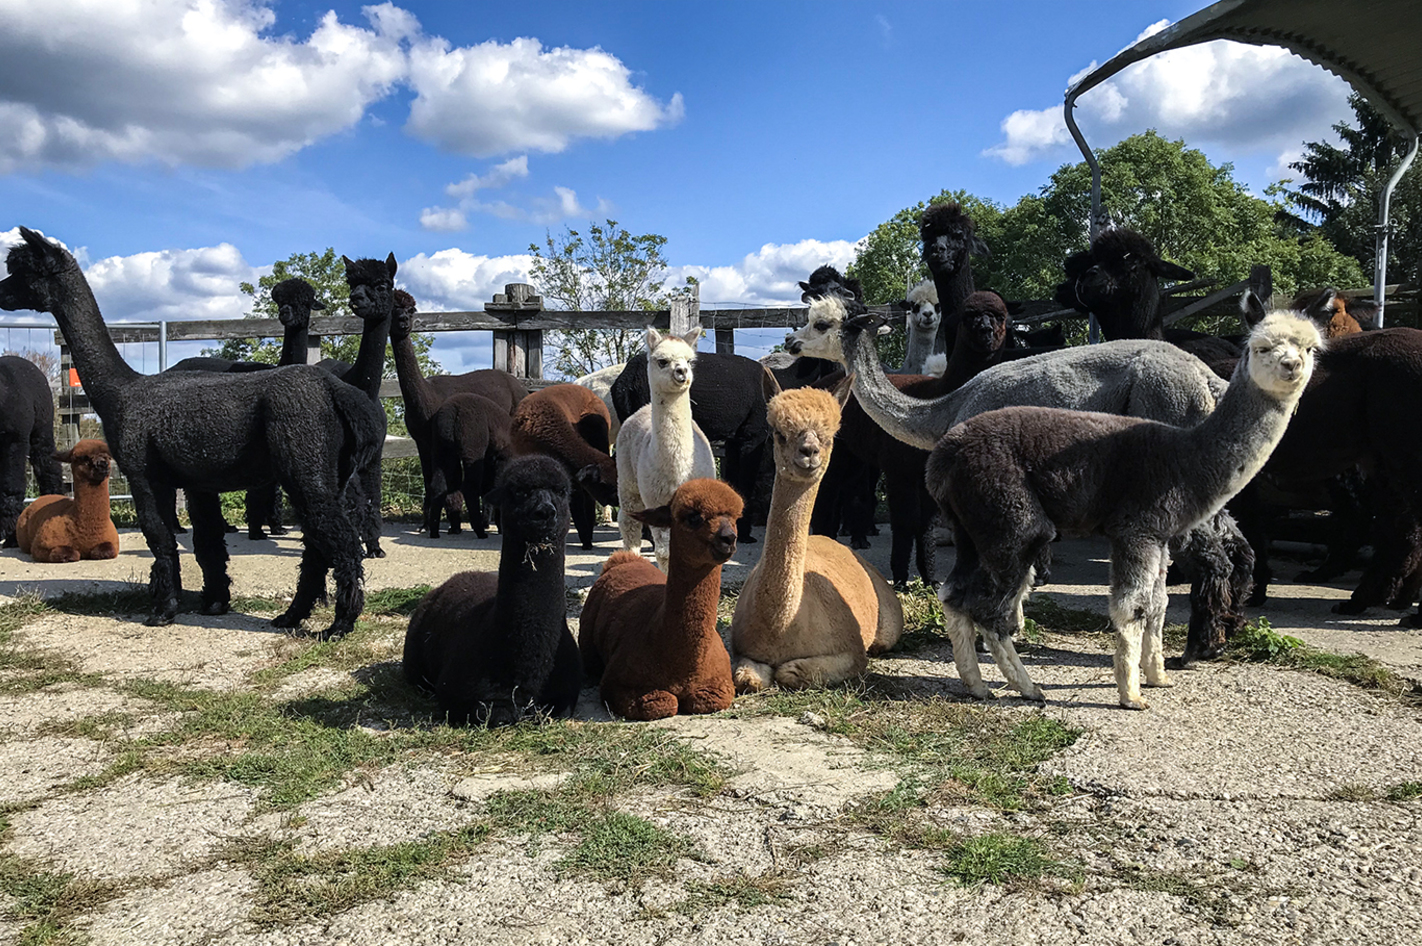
182,146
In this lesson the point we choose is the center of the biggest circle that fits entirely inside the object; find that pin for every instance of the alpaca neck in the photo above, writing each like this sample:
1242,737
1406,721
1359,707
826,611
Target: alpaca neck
102,371
295,343
905,418
91,500
672,426
787,535
369,365
1140,320
421,401
965,362
689,608
917,350
953,290
526,598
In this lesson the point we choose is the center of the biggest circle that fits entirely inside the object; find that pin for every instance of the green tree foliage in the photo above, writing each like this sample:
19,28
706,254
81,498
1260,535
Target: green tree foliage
608,268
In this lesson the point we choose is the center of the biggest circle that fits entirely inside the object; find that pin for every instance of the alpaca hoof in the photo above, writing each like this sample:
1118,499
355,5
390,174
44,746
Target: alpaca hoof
376,552
454,529
1041,577
587,546
981,692
751,677
334,632
160,619
1137,704
1034,695
746,539
180,530
278,530
1411,620
481,534
286,620
9,543
1258,597
859,543
228,527
256,535
1162,681
1349,607
1399,604
215,607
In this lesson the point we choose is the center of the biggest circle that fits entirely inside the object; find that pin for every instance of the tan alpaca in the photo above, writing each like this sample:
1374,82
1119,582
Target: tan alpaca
812,609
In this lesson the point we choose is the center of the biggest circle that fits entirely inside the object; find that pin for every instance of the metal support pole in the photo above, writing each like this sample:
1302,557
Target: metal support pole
162,346
1383,226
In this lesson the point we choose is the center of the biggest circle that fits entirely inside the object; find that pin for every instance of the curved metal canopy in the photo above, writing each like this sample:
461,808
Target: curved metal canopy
1372,44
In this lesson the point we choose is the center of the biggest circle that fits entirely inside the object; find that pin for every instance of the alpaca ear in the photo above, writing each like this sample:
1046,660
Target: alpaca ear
1167,270
769,384
1252,308
902,305
348,264
843,389
653,338
391,265
660,517
317,304
692,337
65,457
977,247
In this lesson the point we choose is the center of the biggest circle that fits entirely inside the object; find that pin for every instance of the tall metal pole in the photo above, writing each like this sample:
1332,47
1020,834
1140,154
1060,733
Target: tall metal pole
1383,226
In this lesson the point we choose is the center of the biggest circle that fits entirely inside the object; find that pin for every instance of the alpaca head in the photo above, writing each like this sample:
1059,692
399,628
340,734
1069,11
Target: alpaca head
702,518
1113,279
403,317
1328,310
949,238
372,283
670,360
532,495
827,281
984,321
35,266
89,460
819,336
1280,353
922,313
295,299
804,422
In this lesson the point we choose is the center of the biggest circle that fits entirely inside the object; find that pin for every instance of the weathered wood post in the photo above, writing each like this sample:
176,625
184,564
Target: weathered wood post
1261,283
518,351
686,312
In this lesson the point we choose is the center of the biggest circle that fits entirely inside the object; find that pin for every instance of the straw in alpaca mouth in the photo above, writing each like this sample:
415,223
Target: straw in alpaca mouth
538,548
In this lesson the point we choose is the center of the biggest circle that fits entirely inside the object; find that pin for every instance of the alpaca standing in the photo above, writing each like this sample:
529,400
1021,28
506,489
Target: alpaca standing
660,447
60,529
1136,378
811,610
1010,480
210,433
949,240
495,647
26,430
649,637
569,423
469,440
922,316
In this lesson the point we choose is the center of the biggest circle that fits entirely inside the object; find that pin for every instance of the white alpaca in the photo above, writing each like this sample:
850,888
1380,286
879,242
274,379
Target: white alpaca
660,447
922,319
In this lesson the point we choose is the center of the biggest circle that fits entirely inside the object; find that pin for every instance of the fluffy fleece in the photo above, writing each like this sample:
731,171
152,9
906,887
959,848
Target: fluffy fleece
469,439
922,316
496,647
60,529
1008,481
26,431
649,637
950,239
569,423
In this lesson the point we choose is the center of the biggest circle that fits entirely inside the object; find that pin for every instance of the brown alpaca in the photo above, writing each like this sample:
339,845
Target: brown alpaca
651,637
570,424
60,529
812,609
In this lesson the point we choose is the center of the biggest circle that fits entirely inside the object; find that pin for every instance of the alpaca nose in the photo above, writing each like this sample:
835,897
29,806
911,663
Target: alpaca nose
793,344
725,540
680,375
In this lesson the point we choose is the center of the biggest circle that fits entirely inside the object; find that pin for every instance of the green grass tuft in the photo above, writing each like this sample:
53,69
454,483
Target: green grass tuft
998,859
1257,641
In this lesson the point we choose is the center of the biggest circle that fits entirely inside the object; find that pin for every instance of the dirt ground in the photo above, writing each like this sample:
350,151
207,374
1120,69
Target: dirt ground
1249,805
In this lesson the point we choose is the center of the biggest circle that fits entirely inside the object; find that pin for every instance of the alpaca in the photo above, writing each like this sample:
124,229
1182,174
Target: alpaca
949,239
660,446
921,319
569,423
649,637
827,281
1010,480
811,610
727,405
60,529
600,383
208,433
423,396
26,431
1136,378
495,647
469,440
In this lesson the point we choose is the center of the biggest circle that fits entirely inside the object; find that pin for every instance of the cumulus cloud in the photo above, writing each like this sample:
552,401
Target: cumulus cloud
768,277
1250,98
211,83
563,205
443,219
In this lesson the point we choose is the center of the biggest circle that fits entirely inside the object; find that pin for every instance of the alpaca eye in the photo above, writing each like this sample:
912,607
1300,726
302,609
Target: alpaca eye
662,362
695,519
822,326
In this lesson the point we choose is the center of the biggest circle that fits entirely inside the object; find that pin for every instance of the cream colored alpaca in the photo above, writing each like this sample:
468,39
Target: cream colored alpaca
812,609
660,447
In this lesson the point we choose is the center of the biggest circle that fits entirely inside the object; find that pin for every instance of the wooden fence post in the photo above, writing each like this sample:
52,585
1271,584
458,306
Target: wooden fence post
686,312
518,351
1261,283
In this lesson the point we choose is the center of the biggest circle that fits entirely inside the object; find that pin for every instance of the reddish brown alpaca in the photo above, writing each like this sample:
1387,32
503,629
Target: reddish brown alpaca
651,637
570,424
60,529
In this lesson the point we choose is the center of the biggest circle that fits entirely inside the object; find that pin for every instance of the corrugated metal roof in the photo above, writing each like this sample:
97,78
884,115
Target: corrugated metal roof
1376,45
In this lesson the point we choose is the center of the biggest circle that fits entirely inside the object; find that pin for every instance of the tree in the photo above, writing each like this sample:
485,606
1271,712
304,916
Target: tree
608,269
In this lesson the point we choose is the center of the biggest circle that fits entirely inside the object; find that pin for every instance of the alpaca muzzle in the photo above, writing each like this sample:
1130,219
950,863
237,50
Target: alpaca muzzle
724,543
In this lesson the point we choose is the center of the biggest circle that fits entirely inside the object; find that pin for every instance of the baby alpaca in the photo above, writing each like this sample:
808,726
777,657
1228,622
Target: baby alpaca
650,636
60,529
496,647
660,447
812,609
1008,481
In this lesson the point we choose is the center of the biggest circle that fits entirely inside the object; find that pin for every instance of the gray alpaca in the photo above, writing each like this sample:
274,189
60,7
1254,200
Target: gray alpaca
207,433
1135,378
1010,480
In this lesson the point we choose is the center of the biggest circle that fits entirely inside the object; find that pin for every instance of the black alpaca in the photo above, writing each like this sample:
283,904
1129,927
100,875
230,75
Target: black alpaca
26,431
469,439
208,433
496,647
949,240
728,404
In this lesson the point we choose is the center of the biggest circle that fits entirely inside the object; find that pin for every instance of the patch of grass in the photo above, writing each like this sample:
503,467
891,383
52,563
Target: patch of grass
620,846
923,617
1352,793
999,859
395,602
47,902
1210,897
25,668
1257,641
1405,791
100,726
1063,620
742,891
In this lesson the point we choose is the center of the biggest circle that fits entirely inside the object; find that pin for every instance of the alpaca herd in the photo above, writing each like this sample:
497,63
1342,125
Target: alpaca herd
1148,440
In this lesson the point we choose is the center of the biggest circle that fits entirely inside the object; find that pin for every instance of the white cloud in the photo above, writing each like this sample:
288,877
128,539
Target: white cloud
768,277
498,97
456,280
498,176
1249,98
443,219
210,82
563,205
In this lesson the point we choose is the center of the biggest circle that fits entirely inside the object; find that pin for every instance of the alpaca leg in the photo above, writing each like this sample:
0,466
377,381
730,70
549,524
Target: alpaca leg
628,524
436,495
925,548
154,506
1133,577
102,551
661,547
1204,558
1248,510
210,550
820,671
751,676
260,502
902,529
49,475
473,486
584,511
998,630
370,522
1153,643
12,489
629,703
963,633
